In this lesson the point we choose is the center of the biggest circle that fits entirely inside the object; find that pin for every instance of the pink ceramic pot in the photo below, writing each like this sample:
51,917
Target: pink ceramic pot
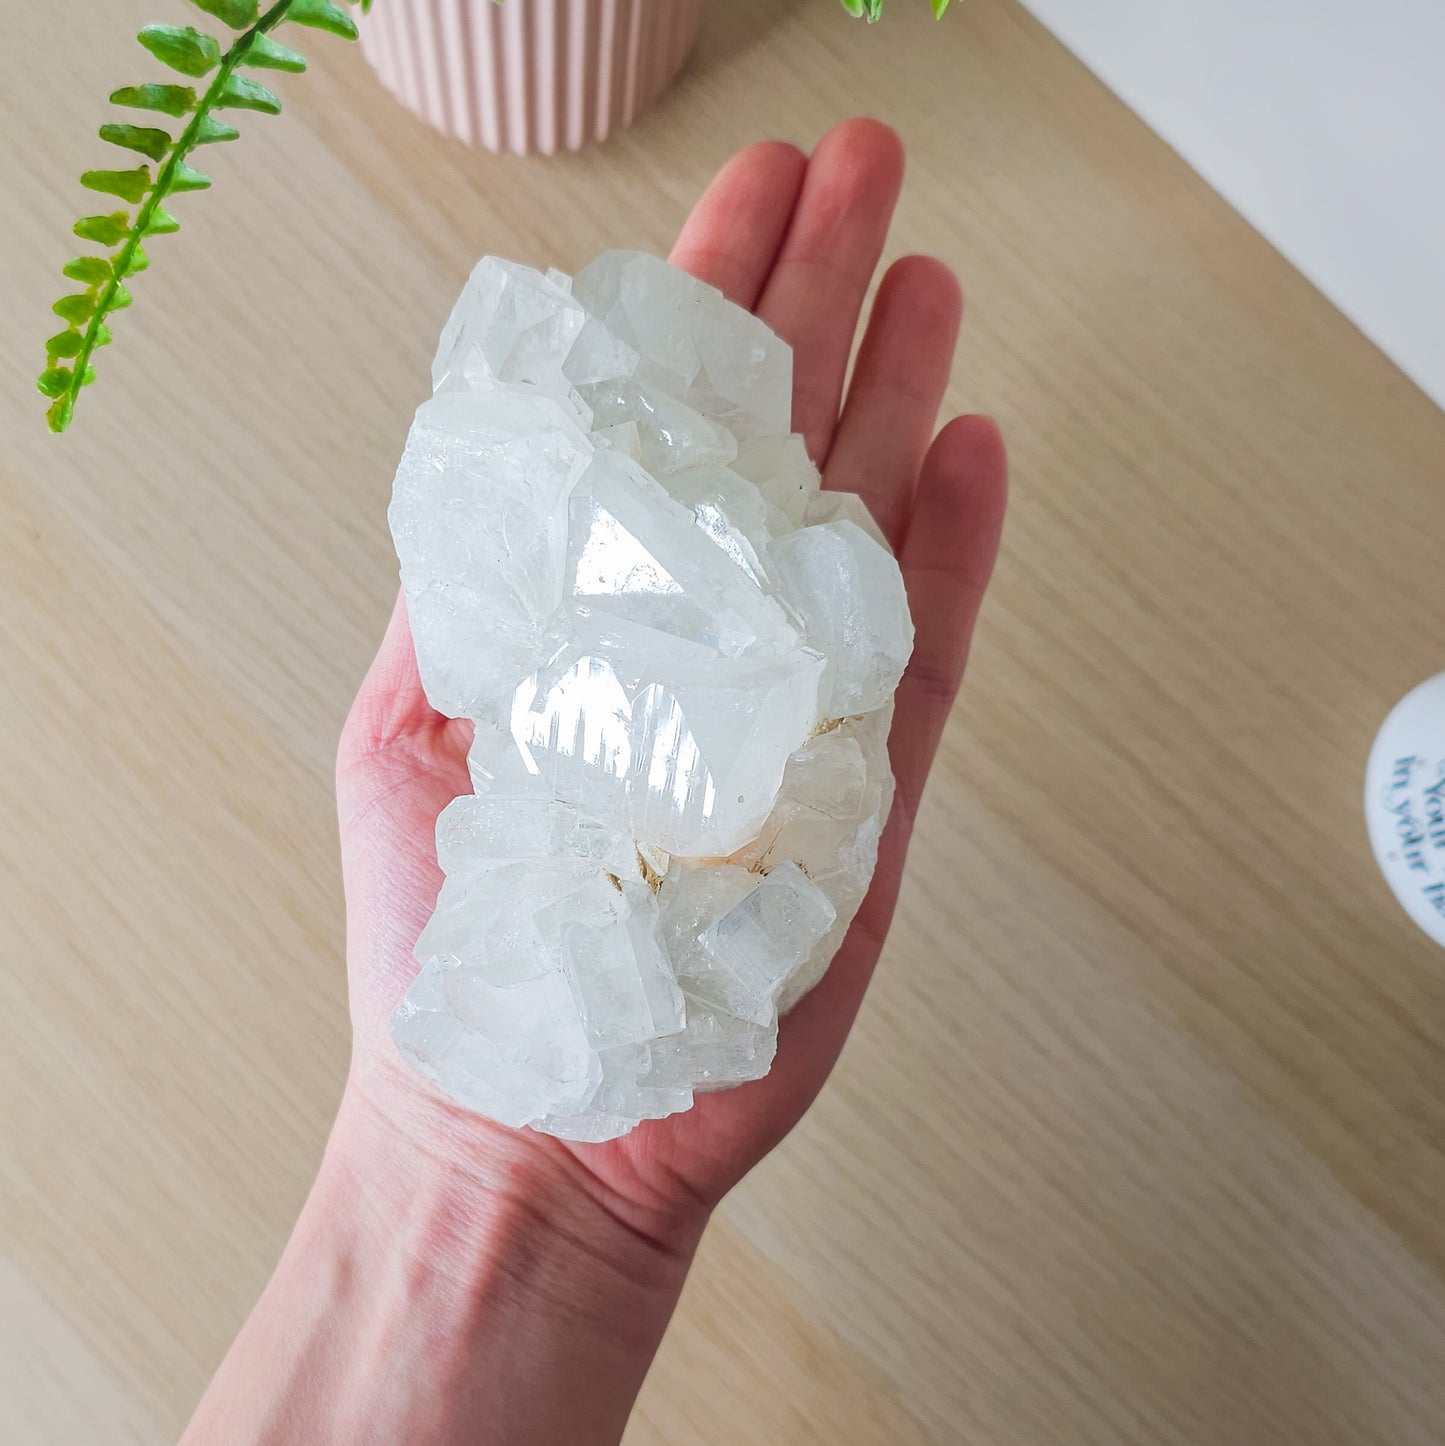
529,75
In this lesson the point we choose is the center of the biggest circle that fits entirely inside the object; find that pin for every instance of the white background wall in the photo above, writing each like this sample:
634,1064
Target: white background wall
1321,121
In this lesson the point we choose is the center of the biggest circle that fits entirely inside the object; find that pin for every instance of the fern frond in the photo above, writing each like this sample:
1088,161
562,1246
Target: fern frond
197,56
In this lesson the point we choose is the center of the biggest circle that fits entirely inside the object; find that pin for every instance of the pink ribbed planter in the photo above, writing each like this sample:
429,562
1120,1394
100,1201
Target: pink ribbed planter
529,75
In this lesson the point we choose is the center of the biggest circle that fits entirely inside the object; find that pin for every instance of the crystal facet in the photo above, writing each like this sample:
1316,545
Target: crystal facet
680,657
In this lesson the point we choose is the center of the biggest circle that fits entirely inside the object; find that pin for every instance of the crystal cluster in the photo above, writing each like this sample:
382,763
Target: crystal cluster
680,657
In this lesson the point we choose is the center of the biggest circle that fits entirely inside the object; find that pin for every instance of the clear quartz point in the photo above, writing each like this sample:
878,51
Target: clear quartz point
679,656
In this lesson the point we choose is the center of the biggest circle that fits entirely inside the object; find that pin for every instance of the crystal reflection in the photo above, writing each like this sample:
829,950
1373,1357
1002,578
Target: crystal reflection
678,780
585,724
585,715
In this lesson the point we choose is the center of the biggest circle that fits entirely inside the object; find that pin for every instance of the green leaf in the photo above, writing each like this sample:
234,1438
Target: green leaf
104,230
182,47
53,380
87,376
161,223
210,130
185,178
75,309
170,99
60,414
939,6
240,93
92,270
120,298
148,140
102,335
238,14
268,54
323,15
138,262
128,185
63,343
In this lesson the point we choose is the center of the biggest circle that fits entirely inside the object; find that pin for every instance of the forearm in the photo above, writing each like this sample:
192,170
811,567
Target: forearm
435,1301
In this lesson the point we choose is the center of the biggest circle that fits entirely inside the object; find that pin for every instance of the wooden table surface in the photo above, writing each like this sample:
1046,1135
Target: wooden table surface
1141,1138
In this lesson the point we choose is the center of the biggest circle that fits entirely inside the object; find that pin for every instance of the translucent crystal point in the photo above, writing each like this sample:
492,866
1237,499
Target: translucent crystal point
679,657
847,590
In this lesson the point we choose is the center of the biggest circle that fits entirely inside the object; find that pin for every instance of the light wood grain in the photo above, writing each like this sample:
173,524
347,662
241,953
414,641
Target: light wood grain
1141,1138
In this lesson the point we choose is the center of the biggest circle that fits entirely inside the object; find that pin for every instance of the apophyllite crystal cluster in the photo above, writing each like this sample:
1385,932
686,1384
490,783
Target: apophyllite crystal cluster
680,657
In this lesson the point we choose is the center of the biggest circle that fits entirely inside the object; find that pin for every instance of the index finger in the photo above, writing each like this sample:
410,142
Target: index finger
816,289
736,229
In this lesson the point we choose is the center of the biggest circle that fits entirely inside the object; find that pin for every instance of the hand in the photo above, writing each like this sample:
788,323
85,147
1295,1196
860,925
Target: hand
454,1281
797,241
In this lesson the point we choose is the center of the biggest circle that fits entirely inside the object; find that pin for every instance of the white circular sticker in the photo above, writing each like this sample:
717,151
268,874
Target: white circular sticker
1405,804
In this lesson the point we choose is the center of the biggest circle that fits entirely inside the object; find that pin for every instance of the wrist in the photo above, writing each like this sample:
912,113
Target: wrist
448,1281
421,1180
519,1294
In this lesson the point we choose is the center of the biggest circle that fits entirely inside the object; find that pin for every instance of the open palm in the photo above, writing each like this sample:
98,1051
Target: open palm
797,240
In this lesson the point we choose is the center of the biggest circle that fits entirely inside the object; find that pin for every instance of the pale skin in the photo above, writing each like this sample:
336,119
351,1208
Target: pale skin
452,1281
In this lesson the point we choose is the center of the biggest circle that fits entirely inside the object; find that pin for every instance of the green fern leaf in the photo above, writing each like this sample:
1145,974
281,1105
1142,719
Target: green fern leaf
183,48
87,376
210,130
64,344
148,140
102,335
169,99
322,15
268,54
128,185
75,309
92,270
120,298
53,381
104,230
160,223
242,93
186,178
238,14
58,416
137,262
